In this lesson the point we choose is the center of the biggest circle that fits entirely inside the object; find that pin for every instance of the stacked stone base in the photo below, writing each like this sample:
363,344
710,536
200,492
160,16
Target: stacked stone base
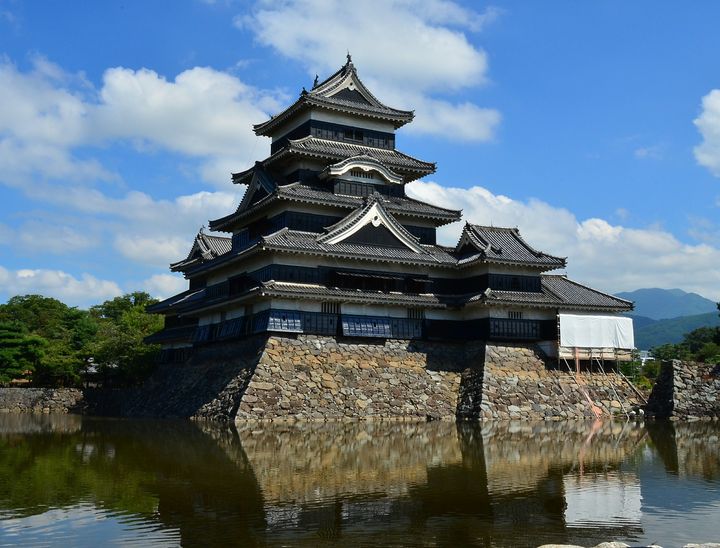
518,384
315,378
40,400
686,390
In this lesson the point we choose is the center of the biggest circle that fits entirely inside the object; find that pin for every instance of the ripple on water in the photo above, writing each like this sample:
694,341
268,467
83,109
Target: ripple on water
84,525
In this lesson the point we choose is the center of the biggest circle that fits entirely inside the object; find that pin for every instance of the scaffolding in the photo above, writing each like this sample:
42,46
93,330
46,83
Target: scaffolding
602,338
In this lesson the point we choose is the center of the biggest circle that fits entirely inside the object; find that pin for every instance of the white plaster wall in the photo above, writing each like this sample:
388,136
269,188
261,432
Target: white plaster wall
260,305
295,304
291,124
346,120
374,310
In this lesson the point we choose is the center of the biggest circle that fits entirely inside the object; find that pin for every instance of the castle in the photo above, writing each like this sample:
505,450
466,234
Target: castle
326,242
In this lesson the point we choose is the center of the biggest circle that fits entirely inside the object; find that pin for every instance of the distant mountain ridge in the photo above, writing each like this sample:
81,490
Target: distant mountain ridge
661,304
663,316
671,330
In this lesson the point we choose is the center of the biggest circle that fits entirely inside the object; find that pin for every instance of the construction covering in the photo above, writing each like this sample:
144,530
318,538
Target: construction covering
581,331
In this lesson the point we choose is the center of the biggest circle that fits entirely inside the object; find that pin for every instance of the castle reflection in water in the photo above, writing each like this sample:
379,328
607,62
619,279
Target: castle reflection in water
365,484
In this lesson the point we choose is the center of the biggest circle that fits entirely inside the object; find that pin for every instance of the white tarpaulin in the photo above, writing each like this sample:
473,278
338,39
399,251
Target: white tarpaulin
596,331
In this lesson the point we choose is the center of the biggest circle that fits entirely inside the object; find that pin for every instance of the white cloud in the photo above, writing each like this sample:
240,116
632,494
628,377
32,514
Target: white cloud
148,231
84,291
606,256
707,153
149,250
203,113
48,115
162,286
41,237
409,51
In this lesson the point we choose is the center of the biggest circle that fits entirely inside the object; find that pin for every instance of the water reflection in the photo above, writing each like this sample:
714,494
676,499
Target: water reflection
351,483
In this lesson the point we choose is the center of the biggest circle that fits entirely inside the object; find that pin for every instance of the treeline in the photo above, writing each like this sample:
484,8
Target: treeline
44,342
700,345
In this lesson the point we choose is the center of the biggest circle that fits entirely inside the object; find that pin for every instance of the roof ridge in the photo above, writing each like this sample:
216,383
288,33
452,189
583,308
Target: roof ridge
595,290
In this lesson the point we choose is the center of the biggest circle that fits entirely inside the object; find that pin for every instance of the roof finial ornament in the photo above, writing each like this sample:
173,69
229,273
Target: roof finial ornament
202,229
304,91
315,82
349,58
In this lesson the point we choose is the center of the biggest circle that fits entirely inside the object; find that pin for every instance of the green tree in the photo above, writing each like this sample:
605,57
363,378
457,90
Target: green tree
119,350
19,351
66,330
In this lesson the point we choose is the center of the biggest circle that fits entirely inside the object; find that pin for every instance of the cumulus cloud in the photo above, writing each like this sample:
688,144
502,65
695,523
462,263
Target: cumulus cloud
151,250
162,286
83,291
609,257
410,51
707,153
47,116
203,113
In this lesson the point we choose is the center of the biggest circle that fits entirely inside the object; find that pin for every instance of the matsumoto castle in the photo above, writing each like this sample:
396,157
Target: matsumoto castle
325,241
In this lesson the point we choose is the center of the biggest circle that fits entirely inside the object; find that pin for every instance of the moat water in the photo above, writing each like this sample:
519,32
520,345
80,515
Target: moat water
79,481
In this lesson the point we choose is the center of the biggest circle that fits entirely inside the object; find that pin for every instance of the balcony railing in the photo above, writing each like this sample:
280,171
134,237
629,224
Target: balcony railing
319,323
507,329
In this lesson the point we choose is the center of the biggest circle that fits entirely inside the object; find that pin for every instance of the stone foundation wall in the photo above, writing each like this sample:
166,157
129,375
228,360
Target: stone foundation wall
518,384
316,378
40,400
686,390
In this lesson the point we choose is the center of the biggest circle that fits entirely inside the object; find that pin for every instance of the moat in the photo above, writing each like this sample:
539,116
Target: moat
82,481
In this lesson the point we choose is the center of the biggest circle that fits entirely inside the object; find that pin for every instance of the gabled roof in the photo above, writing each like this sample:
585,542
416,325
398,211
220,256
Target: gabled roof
296,192
342,92
205,248
501,245
296,241
363,162
260,179
371,214
556,292
333,151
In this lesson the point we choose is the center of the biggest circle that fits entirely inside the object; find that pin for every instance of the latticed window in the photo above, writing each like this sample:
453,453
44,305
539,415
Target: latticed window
416,313
330,308
515,315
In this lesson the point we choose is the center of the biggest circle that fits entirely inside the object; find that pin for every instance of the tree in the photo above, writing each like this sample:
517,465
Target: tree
113,309
119,350
65,330
19,351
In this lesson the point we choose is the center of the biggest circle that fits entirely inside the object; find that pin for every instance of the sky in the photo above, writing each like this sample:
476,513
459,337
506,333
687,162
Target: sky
594,127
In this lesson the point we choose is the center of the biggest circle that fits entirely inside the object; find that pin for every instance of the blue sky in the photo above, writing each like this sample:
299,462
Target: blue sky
594,127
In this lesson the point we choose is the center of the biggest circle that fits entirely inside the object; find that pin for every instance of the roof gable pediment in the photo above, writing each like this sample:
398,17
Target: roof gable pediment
260,186
505,245
372,215
364,163
205,247
345,84
343,92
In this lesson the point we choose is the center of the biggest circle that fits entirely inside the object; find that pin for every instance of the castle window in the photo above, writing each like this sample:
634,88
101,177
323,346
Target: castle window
416,313
351,134
330,308
515,315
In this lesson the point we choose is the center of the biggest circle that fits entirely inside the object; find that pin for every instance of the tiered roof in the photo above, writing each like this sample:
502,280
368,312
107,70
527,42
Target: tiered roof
370,230
501,245
333,151
205,248
341,92
557,291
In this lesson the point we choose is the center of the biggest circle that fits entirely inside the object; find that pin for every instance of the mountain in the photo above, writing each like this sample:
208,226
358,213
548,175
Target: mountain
671,330
660,304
